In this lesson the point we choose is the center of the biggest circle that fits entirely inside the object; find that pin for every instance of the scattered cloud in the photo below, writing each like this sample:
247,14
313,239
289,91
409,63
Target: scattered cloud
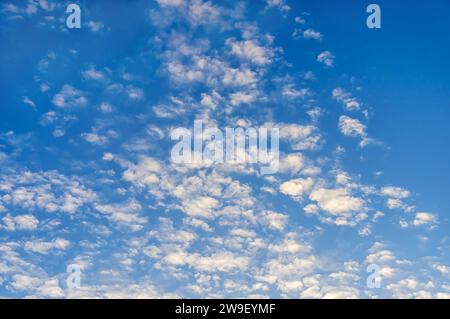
326,58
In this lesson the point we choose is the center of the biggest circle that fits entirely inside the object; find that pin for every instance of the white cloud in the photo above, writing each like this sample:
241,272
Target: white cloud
380,257
287,269
274,220
351,127
44,87
127,214
395,203
106,107
95,26
202,206
239,98
216,262
134,93
327,58
201,12
211,72
336,201
410,288
290,244
94,138
29,102
108,156
44,247
9,7
280,4
423,218
170,3
69,97
297,187
443,269
340,293
312,34
58,132
20,222
241,232
211,100
307,34
290,92
299,20
25,282
350,103
47,191
250,50
144,173
93,74
302,137
291,163
395,192
51,289
354,128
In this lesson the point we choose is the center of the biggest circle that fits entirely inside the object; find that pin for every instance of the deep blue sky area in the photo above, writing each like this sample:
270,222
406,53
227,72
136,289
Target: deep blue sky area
406,72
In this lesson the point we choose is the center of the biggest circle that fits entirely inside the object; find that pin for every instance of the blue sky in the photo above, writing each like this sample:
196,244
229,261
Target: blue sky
87,177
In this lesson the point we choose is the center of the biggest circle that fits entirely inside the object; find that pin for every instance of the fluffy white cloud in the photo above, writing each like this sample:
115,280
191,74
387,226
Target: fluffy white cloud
297,187
239,98
51,289
48,191
307,34
211,72
94,138
144,173
312,34
291,244
69,97
423,218
95,26
202,206
291,163
302,137
395,192
327,58
108,156
336,201
280,4
443,269
127,214
346,99
289,91
93,74
26,100
380,257
170,3
410,288
25,282
351,127
250,50
44,247
216,262
274,220
354,128
20,222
